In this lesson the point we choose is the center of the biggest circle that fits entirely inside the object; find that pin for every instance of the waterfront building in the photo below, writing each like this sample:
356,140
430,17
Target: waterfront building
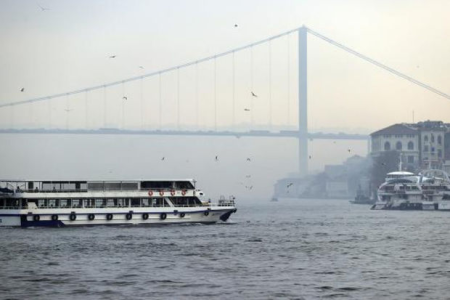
422,145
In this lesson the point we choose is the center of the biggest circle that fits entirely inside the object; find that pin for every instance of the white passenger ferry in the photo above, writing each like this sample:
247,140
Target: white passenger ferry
70,203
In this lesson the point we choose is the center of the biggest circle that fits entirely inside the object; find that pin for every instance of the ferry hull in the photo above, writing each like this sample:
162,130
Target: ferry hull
132,216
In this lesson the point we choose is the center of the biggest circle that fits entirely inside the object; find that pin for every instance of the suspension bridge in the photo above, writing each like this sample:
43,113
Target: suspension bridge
234,100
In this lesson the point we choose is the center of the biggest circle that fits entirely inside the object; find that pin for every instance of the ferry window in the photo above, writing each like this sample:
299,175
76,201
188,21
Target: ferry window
99,203
135,202
156,185
398,146
95,186
410,146
387,146
129,186
183,185
68,186
121,203
112,186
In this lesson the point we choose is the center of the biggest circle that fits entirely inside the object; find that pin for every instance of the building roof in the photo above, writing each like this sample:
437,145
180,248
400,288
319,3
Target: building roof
396,129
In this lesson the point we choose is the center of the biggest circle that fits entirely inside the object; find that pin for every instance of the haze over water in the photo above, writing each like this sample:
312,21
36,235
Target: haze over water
291,249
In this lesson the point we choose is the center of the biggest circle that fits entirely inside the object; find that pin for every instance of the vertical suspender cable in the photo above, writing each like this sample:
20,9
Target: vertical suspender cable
288,79
251,86
67,112
215,94
86,110
270,84
50,114
104,106
234,104
12,116
123,105
196,95
160,102
142,103
178,98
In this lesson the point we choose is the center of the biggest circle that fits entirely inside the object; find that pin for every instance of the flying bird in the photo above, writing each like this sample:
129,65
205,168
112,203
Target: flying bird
217,158
42,8
141,67
112,56
125,98
289,184
22,89
163,158
254,95
248,159
68,110
235,25
246,109
248,176
310,157
348,150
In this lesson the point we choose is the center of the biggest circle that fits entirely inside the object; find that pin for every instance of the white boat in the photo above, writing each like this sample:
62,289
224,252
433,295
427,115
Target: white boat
402,192
70,203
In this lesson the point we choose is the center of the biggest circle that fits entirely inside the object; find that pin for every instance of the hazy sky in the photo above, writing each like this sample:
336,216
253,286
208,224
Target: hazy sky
67,46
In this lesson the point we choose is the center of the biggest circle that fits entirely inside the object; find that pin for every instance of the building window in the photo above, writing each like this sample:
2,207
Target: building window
439,140
439,153
410,159
425,148
387,146
398,146
425,138
432,138
410,146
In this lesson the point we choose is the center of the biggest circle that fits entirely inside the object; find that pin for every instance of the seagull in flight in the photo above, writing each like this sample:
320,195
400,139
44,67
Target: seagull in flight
248,159
112,56
289,184
246,109
163,158
22,89
42,8
348,150
125,98
141,67
217,158
310,157
235,25
254,95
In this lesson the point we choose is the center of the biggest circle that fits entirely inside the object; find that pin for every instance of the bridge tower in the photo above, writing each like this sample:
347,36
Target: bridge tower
302,101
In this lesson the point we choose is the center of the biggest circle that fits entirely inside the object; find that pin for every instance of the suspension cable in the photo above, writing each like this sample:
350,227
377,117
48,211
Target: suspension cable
334,43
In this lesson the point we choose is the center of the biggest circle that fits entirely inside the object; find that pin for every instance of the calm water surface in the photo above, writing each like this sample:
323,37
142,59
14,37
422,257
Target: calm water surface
292,249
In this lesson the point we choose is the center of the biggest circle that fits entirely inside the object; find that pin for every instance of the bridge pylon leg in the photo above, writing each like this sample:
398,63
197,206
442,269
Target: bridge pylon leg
302,101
